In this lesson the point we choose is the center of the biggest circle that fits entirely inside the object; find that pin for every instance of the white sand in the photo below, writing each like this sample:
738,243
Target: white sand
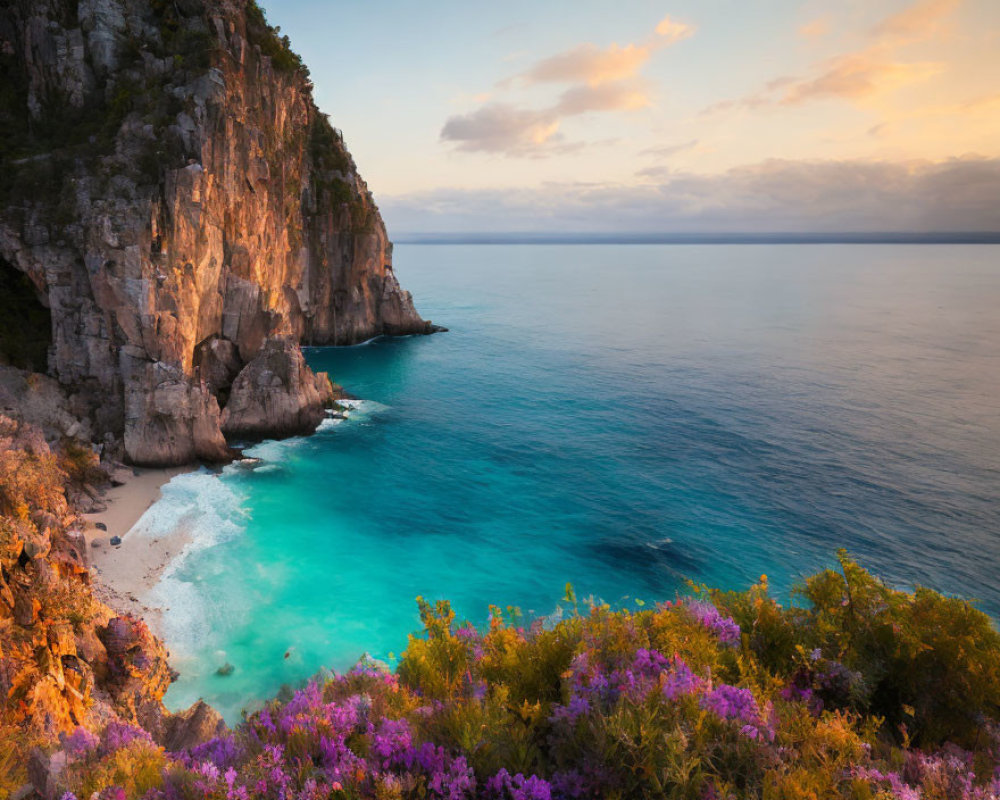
124,575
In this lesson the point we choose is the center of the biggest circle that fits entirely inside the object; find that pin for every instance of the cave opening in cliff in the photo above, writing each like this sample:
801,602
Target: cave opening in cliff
25,323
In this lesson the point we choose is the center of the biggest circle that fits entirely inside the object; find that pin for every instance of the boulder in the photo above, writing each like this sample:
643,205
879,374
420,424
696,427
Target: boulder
192,727
47,773
277,394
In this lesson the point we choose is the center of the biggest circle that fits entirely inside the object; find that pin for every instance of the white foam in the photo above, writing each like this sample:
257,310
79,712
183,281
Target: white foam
210,511
274,449
367,407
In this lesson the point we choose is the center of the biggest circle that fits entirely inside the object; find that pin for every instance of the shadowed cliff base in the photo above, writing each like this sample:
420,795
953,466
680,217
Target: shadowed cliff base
166,182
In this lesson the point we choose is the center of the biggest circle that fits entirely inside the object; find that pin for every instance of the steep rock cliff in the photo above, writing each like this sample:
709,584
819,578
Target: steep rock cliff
186,216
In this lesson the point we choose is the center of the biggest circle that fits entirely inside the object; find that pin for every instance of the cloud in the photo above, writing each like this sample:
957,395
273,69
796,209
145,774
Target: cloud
868,71
815,29
858,75
502,128
673,31
588,64
598,80
665,151
920,21
772,196
621,96
513,130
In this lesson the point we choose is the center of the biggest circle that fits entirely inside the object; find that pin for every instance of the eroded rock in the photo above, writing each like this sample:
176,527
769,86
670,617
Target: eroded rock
217,213
277,394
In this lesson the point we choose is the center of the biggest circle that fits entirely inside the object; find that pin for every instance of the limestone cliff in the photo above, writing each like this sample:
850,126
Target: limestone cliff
187,217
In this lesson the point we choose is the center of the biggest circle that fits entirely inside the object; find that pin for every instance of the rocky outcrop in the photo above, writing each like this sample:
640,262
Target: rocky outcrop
277,394
186,216
190,728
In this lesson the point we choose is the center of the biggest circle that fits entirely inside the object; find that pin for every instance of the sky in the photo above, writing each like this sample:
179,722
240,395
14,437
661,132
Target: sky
680,116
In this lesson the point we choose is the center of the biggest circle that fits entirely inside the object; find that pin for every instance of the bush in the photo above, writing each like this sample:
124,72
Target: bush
679,701
926,664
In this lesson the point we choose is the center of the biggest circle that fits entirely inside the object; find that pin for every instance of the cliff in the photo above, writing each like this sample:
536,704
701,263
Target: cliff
66,660
176,217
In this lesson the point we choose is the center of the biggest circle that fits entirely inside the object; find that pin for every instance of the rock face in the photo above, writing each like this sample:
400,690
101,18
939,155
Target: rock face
186,216
277,394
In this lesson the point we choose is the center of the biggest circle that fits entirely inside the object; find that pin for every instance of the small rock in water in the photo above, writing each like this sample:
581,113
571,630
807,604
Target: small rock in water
116,540
225,670
100,526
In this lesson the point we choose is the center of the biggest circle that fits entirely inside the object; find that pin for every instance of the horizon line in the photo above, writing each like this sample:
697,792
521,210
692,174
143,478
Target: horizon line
624,237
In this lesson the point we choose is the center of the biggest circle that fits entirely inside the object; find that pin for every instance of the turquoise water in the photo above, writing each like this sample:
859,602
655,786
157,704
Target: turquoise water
620,417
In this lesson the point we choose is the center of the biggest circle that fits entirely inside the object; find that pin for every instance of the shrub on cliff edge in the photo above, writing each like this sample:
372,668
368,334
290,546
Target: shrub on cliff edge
724,695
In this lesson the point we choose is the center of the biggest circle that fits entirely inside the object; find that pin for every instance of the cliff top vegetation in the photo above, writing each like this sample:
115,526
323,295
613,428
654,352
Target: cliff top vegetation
858,691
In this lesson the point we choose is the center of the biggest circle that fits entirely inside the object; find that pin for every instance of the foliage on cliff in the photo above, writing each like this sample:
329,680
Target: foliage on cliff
862,692
65,659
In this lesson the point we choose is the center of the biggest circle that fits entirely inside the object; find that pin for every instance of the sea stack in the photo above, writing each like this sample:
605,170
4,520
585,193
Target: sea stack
176,218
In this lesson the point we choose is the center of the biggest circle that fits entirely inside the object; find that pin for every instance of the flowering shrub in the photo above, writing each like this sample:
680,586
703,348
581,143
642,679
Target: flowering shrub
682,700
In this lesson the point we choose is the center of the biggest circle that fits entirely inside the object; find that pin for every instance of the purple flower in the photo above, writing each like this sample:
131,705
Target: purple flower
680,680
900,790
392,743
725,628
467,633
222,751
80,742
504,786
338,760
120,734
576,708
731,702
447,777
750,731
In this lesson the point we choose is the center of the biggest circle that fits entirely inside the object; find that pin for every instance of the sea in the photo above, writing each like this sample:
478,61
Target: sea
628,419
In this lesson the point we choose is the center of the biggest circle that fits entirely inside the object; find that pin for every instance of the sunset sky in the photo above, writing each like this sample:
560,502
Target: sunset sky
633,115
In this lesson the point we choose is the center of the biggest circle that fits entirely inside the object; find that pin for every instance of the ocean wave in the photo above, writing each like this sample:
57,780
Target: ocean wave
209,510
275,449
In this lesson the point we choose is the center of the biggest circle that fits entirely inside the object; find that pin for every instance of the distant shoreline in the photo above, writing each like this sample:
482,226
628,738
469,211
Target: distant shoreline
975,237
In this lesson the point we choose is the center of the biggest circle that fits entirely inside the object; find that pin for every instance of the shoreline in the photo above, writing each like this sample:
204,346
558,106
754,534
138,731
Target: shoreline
124,575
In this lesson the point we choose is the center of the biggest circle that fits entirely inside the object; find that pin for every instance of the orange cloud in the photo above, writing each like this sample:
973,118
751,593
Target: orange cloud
622,96
589,64
511,130
599,80
858,75
815,29
865,72
673,31
919,21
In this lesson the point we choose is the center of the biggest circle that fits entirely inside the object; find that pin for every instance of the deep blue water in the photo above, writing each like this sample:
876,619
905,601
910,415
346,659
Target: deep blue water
620,417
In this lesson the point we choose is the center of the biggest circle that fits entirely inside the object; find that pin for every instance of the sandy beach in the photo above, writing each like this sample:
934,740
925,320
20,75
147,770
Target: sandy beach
125,574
